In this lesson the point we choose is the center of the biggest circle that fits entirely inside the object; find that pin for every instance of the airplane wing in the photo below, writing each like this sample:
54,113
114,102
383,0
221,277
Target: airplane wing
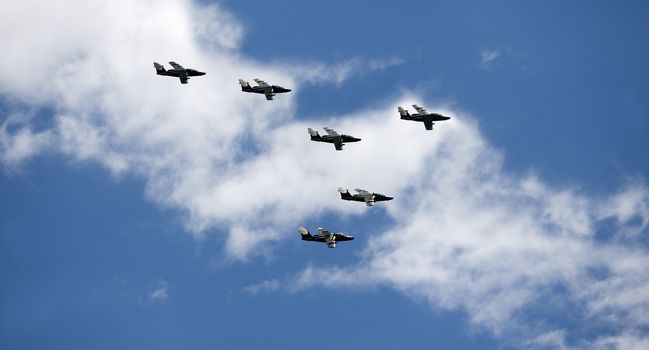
324,233
269,96
183,77
367,196
261,83
428,124
363,192
176,66
331,132
420,110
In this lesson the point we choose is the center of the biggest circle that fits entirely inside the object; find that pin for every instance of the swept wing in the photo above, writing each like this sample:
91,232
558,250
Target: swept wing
261,83
420,110
331,132
268,90
176,66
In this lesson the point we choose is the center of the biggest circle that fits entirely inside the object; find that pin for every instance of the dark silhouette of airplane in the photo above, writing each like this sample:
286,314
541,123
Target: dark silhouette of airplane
263,88
332,137
178,71
422,116
362,196
324,236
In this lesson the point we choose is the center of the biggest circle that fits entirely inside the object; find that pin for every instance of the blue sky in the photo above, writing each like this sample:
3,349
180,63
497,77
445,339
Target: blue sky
137,212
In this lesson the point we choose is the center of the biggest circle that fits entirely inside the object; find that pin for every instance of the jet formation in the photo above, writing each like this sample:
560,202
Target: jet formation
369,198
324,236
362,196
422,116
263,88
332,137
178,71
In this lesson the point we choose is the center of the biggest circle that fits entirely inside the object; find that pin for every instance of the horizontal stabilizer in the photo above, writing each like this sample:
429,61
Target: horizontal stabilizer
313,133
403,112
243,83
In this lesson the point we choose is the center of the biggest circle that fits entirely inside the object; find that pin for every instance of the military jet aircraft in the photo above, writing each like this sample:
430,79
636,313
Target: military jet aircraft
422,116
263,88
177,71
332,137
362,196
324,236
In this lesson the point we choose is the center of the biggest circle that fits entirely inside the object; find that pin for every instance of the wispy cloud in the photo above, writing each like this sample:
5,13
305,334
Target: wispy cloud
316,73
489,57
264,286
159,294
18,143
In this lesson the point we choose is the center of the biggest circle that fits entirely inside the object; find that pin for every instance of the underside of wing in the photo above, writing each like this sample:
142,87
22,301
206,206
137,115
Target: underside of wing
428,124
269,96
183,77
176,66
420,110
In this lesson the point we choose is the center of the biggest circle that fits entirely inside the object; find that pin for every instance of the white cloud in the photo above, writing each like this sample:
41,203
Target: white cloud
21,144
467,235
264,286
317,73
494,245
159,294
626,341
489,56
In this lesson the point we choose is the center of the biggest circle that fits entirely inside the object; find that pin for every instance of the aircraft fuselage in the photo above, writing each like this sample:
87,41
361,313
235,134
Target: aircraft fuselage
338,141
260,90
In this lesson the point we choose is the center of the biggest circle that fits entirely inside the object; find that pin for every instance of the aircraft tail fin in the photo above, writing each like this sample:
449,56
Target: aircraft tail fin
159,68
304,233
313,133
244,84
403,112
344,193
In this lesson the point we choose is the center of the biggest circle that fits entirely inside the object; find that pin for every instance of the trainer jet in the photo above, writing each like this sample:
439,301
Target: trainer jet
362,196
263,88
332,137
324,236
178,71
422,116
